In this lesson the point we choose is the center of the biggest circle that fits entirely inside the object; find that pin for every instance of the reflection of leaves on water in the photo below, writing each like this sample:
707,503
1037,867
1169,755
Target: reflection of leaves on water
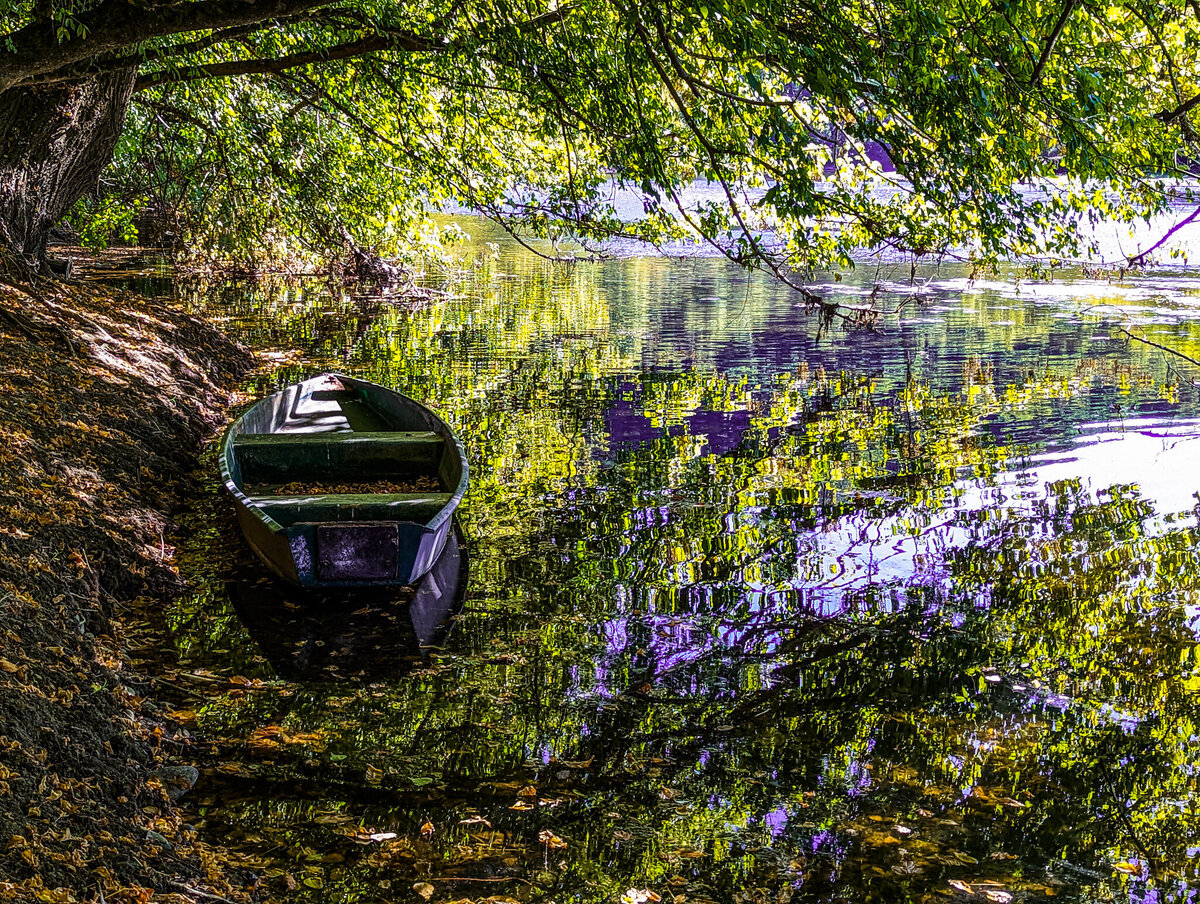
774,642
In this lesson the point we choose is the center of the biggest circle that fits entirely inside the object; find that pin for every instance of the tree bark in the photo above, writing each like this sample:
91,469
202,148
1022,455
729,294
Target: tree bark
54,143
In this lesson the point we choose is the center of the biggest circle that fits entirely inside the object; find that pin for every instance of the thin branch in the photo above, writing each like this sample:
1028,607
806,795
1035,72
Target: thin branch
1123,815
1167,117
759,253
1068,8
160,107
1140,258
550,18
1160,346
199,893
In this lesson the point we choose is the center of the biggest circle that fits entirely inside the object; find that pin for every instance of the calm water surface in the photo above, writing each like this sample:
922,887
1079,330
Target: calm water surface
751,615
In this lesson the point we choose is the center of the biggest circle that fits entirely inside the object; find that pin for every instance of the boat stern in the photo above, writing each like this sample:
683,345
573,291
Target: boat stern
356,553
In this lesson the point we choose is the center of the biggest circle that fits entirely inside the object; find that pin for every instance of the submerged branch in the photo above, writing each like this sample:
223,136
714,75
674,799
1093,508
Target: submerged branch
1160,346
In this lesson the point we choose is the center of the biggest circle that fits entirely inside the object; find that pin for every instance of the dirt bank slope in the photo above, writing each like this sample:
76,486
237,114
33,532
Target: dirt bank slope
104,401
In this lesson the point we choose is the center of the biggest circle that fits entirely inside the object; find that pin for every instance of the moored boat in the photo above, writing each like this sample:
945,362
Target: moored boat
339,482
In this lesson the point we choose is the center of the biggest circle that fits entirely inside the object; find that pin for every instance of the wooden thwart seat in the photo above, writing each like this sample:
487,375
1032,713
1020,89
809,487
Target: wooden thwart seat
291,509
267,458
400,437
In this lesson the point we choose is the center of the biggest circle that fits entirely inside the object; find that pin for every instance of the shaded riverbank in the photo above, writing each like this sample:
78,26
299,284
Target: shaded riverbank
105,398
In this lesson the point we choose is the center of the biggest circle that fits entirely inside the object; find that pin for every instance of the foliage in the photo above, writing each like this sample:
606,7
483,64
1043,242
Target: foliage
101,222
1009,125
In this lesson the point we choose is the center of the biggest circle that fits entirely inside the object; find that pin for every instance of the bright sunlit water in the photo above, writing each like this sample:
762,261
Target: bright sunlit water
752,614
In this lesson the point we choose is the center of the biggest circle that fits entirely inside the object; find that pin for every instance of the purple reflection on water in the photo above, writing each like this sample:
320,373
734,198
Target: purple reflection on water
1150,896
859,779
776,821
615,643
724,429
662,647
826,842
668,645
627,424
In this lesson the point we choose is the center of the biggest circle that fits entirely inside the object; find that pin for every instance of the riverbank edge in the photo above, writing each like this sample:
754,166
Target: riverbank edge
106,399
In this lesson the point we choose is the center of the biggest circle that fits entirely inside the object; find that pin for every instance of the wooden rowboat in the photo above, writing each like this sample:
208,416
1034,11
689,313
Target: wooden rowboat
304,467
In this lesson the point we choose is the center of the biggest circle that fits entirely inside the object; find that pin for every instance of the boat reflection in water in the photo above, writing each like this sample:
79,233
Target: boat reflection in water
362,635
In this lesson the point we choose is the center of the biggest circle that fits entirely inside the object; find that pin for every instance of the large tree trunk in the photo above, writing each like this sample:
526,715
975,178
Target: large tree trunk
54,142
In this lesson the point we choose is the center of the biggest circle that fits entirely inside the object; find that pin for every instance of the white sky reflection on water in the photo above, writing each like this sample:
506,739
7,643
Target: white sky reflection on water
1161,459
1157,459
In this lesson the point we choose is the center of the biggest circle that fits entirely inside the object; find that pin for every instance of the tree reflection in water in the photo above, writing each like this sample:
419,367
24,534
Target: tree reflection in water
749,618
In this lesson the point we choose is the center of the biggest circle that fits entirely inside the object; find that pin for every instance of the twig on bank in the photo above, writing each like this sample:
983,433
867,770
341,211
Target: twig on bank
206,895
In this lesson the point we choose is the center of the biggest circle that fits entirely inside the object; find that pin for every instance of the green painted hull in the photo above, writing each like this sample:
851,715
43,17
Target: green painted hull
337,429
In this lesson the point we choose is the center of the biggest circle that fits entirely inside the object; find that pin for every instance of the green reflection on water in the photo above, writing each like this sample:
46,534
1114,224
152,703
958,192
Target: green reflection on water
749,617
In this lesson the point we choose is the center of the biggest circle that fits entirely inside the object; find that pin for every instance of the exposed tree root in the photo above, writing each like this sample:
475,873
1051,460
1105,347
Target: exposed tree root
18,323
27,324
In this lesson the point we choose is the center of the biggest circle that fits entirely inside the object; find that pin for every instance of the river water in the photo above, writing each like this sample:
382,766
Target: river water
748,613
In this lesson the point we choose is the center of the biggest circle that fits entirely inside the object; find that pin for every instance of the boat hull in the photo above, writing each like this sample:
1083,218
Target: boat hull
340,429
378,641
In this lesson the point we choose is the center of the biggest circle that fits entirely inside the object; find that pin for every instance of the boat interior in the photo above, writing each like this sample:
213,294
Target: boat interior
295,447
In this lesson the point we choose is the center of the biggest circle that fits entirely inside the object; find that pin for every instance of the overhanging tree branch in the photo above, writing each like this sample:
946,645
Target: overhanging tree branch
362,47
1168,117
1140,258
116,26
156,55
95,62
1068,8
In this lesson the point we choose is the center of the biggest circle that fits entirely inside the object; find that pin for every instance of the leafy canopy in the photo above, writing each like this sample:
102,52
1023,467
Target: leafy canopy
270,121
